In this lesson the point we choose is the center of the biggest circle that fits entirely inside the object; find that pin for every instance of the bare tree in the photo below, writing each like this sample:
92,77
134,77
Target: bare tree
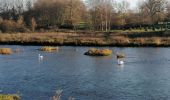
168,11
154,8
33,24
58,12
122,8
74,11
101,13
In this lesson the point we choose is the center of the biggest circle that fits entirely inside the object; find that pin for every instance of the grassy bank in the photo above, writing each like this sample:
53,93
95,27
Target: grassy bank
157,38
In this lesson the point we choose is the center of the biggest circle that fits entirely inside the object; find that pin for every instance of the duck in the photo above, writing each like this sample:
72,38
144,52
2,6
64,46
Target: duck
40,56
120,62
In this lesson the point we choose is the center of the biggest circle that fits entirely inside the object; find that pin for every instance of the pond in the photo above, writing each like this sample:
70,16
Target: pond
145,75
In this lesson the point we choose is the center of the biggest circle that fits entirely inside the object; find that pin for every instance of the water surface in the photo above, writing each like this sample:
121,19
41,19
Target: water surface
145,75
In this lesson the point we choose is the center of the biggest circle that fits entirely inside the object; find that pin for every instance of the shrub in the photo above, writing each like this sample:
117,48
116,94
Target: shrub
20,24
8,26
146,28
6,51
49,49
20,21
156,40
97,52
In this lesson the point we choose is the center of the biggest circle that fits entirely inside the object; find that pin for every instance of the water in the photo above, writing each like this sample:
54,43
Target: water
145,75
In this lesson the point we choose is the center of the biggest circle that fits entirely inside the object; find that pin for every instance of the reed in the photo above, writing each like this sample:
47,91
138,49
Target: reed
87,39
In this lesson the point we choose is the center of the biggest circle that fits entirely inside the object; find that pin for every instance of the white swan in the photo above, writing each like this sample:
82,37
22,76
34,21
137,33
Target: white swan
40,56
120,62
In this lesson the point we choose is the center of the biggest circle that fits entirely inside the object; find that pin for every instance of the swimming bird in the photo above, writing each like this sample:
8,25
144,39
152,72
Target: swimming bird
40,56
120,62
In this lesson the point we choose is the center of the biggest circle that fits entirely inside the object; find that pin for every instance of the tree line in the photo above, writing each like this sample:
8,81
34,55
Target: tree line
103,15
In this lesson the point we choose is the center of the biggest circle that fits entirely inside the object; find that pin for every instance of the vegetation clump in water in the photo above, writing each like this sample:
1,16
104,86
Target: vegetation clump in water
6,51
120,56
97,52
9,97
49,49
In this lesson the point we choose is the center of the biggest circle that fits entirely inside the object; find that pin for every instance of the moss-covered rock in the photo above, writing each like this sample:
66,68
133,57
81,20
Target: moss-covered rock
97,52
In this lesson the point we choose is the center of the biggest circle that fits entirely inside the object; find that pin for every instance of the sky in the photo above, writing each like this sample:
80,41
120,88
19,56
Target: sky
133,3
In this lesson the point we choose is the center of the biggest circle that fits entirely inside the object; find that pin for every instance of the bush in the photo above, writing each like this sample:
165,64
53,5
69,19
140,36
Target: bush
68,24
156,41
6,51
20,24
97,52
146,28
8,26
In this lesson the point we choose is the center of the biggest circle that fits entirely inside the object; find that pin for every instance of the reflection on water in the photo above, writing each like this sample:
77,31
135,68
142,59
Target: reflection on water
144,76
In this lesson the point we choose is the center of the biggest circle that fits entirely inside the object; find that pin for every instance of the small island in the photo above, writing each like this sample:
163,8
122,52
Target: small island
97,52
9,97
48,49
6,51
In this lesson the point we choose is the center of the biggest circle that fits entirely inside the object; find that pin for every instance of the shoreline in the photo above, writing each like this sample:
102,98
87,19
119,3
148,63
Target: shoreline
95,39
82,45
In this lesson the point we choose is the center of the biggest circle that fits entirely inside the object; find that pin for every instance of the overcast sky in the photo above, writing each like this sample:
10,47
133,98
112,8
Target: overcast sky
133,3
